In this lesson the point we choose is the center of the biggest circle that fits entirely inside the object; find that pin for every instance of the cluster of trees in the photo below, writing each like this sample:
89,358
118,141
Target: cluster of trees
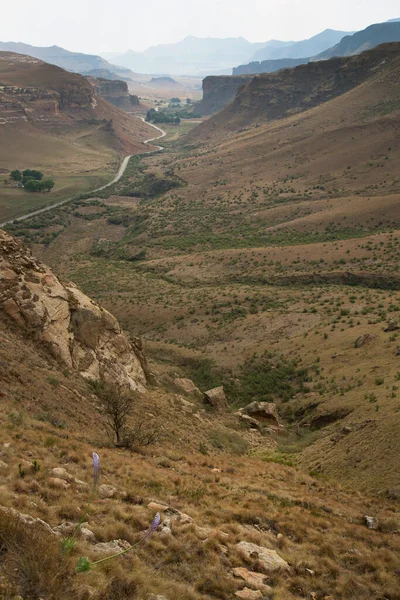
154,116
33,180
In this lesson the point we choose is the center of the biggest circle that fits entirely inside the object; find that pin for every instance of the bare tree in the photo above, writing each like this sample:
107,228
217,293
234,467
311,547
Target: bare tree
117,406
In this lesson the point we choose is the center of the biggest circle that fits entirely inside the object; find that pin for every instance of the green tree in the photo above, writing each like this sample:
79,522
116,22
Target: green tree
47,184
32,185
38,175
16,175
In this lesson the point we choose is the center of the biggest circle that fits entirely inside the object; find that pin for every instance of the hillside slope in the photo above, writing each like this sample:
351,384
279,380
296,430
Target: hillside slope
231,525
280,249
275,95
53,120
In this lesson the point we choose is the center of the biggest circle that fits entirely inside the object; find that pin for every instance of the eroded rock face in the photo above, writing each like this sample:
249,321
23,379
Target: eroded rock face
81,333
263,412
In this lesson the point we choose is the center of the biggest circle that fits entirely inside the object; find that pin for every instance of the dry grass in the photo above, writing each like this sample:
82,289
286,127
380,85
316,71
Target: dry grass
312,524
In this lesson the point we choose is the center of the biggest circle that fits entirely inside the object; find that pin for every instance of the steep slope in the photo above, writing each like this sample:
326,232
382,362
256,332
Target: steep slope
53,120
115,92
85,64
314,45
275,95
380,33
219,91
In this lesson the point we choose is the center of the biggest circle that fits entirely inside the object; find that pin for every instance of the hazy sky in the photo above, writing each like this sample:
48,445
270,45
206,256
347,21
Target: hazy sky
96,26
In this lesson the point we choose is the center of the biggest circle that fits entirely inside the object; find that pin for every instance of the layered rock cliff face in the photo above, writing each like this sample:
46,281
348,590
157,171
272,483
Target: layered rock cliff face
116,92
218,91
271,96
46,91
75,329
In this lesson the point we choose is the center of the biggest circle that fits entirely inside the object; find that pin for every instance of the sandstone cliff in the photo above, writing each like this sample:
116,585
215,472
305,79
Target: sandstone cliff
271,96
114,91
76,330
218,91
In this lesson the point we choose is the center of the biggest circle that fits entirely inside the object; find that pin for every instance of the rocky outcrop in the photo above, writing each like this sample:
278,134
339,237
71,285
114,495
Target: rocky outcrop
216,398
269,560
253,99
218,91
256,581
82,334
114,91
265,413
187,386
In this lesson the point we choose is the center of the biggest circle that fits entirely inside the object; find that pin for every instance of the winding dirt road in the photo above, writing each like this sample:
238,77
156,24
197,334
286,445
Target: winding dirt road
117,177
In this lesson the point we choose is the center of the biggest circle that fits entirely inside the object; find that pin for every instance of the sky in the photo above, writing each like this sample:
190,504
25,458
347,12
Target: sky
100,26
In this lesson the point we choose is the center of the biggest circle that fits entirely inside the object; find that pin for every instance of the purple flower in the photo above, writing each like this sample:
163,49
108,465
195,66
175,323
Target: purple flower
155,523
96,467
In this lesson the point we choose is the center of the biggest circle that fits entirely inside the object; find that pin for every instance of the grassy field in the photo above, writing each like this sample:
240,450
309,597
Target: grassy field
15,202
176,132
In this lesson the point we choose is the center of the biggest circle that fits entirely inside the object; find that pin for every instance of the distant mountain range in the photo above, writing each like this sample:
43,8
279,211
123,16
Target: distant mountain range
85,64
311,47
349,45
368,38
191,56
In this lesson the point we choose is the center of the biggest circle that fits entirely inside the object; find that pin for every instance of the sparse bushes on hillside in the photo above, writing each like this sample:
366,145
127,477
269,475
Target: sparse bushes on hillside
126,429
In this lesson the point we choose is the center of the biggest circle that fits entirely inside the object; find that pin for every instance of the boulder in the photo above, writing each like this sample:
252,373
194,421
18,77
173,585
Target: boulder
61,473
364,340
112,547
263,412
157,506
392,326
187,386
107,491
268,559
67,529
28,519
257,581
75,329
57,484
371,522
216,398
248,594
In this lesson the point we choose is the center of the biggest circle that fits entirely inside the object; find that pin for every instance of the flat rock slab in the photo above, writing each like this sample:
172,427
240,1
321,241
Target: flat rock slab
257,581
268,559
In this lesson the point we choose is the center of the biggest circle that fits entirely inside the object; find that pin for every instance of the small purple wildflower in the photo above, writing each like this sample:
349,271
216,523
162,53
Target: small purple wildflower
96,467
155,523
